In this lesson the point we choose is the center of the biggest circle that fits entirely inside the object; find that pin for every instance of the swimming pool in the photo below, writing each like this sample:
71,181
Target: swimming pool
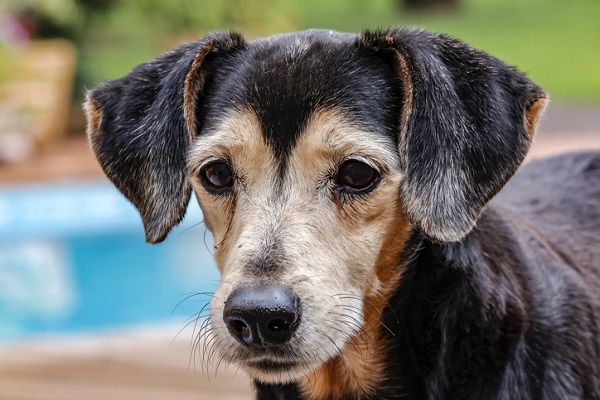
73,259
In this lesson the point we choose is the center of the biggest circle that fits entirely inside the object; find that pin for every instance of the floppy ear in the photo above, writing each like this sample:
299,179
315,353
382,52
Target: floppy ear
140,128
467,123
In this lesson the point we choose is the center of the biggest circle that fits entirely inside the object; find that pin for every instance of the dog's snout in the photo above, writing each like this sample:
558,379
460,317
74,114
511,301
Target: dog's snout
262,316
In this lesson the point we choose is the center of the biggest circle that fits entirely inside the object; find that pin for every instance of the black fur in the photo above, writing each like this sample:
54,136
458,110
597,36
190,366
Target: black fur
513,311
277,78
504,309
476,135
277,392
467,114
142,140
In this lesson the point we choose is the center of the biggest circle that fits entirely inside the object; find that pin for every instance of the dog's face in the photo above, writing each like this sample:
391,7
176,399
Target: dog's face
314,156
301,194
316,223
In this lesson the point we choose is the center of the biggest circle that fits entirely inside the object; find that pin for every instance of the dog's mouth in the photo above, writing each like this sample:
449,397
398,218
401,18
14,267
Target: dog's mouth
275,336
277,369
270,366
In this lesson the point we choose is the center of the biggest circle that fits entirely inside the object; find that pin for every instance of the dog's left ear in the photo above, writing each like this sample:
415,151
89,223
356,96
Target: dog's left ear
466,124
140,128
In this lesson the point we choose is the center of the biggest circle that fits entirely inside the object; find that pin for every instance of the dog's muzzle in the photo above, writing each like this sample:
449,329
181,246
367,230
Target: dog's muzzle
262,316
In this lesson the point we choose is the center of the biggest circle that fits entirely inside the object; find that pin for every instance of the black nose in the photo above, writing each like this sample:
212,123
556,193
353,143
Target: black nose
262,316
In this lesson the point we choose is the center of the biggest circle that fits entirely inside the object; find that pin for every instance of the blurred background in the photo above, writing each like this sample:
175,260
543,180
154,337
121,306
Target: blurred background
87,309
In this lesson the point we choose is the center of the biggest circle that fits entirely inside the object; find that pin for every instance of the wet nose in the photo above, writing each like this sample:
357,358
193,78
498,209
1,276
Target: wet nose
262,316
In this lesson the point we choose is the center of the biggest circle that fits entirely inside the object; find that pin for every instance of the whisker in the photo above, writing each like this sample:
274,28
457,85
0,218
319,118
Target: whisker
380,312
211,251
196,326
221,359
205,361
190,228
191,320
360,332
189,296
212,349
206,337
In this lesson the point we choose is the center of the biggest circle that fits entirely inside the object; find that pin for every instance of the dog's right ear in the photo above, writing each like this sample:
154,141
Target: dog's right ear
466,124
140,128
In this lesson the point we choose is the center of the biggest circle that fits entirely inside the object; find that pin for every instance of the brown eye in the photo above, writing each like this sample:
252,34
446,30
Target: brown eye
356,175
217,176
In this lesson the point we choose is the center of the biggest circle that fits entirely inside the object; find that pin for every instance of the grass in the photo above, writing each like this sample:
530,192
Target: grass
556,42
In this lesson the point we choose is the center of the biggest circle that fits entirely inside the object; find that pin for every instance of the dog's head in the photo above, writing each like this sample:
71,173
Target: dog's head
313,156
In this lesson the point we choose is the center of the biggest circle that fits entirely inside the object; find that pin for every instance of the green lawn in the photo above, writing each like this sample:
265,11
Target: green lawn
556,42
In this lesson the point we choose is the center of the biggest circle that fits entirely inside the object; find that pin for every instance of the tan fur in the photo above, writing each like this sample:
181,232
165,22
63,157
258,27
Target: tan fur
337,254
239,140
194,82
407,91
94,118
359,367
533,113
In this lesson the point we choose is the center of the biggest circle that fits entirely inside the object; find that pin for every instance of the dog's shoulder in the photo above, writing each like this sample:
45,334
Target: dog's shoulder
499,298
559,198
568,178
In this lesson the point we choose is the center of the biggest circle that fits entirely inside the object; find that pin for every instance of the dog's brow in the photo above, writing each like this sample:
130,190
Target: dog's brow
237,131
344,139
364,144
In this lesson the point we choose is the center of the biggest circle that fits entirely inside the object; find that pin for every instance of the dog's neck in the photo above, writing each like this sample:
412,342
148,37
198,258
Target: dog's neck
452,299
408,343
359,368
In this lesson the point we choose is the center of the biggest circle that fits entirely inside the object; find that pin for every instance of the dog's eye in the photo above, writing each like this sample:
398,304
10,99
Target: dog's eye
217,176
356,175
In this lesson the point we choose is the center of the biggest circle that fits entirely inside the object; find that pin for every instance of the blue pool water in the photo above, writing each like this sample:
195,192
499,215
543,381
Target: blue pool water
73,258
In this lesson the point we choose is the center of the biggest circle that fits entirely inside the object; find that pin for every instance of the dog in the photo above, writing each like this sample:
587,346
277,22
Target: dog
352,186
